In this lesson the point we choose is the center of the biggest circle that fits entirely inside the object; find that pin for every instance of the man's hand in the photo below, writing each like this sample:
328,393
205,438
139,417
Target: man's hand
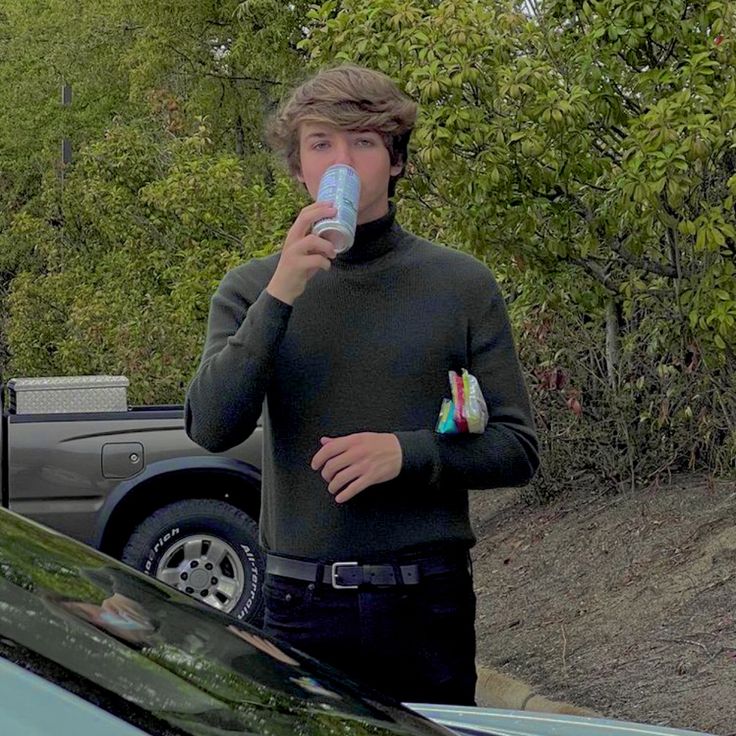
352,463
302,255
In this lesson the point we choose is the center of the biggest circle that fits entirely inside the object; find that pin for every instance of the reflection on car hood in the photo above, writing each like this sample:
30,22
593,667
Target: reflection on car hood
172,666
477,721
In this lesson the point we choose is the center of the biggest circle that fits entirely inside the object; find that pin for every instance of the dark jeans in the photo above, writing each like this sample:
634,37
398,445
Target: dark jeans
415,643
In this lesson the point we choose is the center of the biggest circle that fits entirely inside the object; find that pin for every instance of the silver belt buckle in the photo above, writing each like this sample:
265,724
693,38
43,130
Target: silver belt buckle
337,585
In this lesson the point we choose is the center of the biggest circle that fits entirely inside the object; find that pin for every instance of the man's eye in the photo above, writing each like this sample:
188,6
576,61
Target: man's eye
321,145
365,141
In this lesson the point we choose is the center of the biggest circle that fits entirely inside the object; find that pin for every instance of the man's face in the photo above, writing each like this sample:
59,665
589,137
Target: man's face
322,146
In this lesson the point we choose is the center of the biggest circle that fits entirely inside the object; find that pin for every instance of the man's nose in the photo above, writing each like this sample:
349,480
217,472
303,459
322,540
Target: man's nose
343,153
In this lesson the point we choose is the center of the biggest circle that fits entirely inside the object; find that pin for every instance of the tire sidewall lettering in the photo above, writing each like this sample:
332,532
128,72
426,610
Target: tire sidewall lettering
158,549
254,586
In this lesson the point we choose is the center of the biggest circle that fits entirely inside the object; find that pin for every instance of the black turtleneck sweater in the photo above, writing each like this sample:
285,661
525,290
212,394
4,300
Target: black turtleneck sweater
366,348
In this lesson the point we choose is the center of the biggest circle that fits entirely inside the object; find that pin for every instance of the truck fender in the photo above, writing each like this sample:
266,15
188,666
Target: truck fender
161,468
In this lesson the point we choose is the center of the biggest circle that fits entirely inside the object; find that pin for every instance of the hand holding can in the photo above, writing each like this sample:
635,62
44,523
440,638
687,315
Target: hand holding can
302,255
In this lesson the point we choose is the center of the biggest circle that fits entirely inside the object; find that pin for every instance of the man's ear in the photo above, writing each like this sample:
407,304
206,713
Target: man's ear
397,168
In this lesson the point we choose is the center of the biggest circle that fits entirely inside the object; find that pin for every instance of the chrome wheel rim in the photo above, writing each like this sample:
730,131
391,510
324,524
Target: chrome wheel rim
206,568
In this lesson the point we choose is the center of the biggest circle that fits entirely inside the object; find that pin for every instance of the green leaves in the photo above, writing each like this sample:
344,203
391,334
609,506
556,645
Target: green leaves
585,152
593,142
170,183
152,223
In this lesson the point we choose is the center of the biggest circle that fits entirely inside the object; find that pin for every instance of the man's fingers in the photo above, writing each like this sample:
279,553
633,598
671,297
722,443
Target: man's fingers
310,214
337,464
316,262
327,451
352,490
294,269
314,245
307,217
352,463
343,477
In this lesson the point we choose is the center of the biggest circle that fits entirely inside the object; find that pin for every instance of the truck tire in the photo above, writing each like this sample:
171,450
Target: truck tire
206,548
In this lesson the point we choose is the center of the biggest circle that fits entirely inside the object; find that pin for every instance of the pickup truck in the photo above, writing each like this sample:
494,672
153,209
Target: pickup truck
128,481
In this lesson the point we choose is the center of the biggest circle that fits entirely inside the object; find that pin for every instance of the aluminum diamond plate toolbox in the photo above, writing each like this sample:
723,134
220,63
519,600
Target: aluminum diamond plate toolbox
68,394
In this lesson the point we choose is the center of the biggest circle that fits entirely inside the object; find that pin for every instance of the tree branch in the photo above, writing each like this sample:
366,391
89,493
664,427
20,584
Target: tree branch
645,264
242,78
596,271
661,61
616,158
628,102
617,245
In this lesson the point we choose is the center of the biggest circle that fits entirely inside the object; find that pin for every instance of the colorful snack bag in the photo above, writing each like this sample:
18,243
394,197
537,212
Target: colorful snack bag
466,412
446,421
476,410
458,399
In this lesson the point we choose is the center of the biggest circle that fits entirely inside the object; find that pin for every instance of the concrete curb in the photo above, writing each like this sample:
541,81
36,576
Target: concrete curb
496,689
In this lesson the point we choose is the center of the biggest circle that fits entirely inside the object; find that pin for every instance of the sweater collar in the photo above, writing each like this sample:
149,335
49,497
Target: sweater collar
373,239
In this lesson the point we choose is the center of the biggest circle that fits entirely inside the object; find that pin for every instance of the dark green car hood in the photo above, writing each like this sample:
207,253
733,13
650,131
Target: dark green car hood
190,670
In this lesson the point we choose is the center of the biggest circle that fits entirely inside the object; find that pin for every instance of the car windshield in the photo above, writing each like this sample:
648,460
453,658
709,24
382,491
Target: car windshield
159,660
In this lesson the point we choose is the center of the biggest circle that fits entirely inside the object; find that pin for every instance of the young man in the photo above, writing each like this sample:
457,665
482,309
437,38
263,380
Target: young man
365,508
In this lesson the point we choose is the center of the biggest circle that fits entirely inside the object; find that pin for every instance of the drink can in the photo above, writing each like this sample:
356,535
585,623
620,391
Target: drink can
340,184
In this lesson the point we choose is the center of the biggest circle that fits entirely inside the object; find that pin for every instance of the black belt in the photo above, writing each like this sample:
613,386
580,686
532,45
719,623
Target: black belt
350,575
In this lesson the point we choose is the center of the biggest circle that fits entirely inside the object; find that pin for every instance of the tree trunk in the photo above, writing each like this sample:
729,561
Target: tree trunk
239,137
612,340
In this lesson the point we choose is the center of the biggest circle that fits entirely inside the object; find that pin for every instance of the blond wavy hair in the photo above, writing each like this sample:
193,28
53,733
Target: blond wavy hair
347,97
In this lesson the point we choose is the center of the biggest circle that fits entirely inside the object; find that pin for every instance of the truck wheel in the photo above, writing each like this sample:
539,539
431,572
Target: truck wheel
206,548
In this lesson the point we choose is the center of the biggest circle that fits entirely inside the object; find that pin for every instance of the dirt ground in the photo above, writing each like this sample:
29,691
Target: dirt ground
624,604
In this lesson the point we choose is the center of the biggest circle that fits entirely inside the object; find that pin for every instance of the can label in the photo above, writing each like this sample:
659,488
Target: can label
340,184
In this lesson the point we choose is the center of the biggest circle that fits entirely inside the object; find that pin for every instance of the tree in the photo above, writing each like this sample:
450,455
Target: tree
583,148
169,185
42,47
229,61
152,223
587,152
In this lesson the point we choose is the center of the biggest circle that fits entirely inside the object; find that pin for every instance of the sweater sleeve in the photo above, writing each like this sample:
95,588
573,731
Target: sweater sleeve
506,454
225,398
